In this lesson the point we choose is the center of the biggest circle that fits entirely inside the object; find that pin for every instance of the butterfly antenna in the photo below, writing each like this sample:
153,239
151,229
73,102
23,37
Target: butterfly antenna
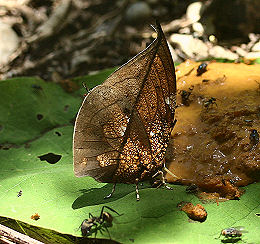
85,86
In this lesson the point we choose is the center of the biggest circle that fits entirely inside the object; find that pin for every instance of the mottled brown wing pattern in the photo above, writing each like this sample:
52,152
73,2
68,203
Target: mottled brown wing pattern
123,126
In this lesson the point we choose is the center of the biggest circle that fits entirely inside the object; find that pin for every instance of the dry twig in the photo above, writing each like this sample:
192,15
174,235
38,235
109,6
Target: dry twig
8,235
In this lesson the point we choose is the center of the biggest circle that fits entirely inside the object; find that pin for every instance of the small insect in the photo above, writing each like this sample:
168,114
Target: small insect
185,96
202,69
233,232
205,80
210,102
103,221
20,193
192,189
35,216
254,137
257,214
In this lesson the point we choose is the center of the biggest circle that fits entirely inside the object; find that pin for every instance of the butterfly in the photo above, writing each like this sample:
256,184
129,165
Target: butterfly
123,127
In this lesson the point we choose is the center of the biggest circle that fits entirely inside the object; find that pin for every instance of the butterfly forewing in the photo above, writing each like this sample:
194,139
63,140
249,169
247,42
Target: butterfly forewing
123,126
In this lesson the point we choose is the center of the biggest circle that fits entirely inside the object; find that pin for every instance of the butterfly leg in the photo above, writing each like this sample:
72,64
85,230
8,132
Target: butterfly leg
169,172
163,180
112,192
160,183
137,190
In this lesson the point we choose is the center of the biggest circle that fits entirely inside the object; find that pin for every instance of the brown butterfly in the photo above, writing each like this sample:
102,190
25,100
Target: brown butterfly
123,126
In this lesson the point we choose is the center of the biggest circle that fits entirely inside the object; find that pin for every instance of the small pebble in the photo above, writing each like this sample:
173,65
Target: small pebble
138,12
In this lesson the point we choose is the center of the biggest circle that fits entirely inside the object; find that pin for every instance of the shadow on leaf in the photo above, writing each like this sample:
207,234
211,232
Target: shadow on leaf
232,240
95,196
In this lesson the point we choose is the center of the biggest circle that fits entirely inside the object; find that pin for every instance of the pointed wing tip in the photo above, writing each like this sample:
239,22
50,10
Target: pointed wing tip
158,28
157,23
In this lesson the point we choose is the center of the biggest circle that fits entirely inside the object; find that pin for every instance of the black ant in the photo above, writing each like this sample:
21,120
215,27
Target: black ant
103,221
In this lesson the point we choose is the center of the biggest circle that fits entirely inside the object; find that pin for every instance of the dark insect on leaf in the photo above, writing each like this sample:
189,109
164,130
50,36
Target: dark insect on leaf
20,193
93,223
233,232
123,126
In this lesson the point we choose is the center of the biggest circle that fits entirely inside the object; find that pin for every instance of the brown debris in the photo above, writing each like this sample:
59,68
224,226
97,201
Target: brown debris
35,216
223,189
197,212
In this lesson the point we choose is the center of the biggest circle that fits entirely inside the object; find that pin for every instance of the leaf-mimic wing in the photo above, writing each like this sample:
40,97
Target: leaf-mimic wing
123,126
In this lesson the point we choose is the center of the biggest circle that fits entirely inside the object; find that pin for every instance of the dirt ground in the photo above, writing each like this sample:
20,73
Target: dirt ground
63,39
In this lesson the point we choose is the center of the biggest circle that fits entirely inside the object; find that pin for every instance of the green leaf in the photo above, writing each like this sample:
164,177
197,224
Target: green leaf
64,201
257,61
48,236
94,79
30,106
